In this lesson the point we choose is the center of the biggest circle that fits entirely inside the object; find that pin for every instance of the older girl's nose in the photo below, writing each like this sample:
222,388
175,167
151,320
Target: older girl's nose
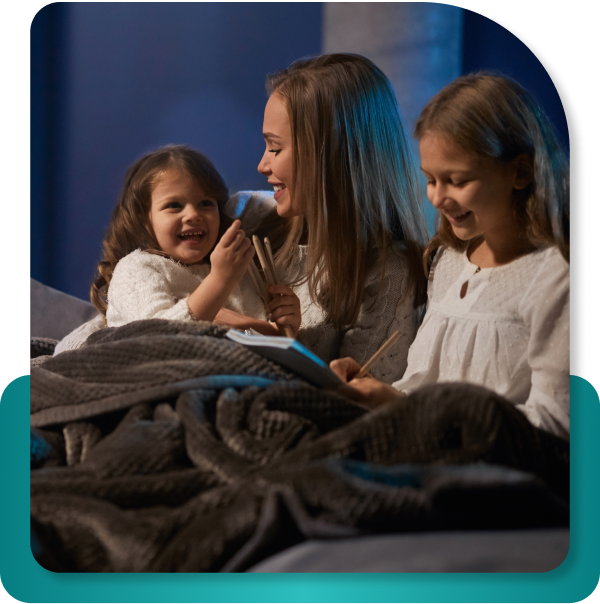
436,194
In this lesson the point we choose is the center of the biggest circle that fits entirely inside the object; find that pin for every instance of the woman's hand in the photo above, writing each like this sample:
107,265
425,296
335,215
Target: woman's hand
231,256
230,318
367,391
284,308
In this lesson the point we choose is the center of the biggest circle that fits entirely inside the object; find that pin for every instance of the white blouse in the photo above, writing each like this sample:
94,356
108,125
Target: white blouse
509,332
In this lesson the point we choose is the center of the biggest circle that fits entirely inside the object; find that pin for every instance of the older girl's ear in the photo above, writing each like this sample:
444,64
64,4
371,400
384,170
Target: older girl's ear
524,171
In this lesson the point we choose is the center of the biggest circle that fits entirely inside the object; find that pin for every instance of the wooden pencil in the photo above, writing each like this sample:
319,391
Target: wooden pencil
384,348
283,329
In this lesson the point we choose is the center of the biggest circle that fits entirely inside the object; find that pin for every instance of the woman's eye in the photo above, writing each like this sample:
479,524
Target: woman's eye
276,151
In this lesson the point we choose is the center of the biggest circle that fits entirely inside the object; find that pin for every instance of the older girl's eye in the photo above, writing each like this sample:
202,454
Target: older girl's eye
276,151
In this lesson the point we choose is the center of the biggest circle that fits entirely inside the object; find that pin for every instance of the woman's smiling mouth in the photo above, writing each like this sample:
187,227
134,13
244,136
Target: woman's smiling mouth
279,189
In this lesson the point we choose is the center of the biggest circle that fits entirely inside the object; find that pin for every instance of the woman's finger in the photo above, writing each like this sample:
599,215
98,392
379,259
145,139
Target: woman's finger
282,290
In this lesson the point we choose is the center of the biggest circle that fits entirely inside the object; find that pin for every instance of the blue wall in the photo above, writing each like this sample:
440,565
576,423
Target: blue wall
112,81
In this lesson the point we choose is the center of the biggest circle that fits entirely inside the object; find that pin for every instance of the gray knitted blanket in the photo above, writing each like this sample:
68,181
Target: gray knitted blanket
164,446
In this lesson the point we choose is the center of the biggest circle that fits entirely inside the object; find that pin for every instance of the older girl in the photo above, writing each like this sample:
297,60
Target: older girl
498,292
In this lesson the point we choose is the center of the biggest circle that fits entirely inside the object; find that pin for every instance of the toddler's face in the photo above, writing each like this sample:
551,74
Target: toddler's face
185,220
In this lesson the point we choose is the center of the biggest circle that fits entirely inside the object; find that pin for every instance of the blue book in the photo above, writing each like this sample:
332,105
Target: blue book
291,354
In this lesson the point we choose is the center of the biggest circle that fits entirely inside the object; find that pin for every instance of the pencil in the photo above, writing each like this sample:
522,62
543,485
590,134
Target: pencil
283,329
270,258
257,281
384,348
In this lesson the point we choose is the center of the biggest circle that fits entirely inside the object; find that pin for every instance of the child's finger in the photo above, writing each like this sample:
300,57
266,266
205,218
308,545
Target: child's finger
231,233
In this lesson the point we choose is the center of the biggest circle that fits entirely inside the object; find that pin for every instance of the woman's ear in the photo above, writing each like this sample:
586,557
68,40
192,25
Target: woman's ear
523,171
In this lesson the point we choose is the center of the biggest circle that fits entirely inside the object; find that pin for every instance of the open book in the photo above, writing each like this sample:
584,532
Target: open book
291,354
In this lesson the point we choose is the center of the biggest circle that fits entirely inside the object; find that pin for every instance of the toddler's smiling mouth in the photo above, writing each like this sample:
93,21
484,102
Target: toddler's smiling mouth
191,235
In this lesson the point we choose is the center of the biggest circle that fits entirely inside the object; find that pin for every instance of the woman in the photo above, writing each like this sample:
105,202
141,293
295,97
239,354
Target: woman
339,162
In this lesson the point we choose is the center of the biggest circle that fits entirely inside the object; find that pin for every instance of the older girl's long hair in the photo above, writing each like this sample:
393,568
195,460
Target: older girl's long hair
130,229
353,172
494,117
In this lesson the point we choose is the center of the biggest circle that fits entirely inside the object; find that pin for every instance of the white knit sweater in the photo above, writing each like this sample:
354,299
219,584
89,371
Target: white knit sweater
149,286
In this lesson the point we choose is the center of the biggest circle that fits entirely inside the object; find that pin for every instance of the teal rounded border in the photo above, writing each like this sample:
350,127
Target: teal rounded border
572,581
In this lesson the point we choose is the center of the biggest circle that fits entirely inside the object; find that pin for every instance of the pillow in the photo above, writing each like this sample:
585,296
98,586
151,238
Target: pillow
251,207
54,314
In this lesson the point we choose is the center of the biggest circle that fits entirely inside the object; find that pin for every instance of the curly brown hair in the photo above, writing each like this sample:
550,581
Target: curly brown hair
495,117
130,229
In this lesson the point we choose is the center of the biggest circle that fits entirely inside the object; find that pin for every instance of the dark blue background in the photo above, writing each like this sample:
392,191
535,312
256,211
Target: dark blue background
112,81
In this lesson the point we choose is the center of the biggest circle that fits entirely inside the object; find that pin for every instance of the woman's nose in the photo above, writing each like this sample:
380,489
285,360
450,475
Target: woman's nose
264,167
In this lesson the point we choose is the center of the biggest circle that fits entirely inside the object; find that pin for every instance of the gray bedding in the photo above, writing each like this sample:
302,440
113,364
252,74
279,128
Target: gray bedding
163,446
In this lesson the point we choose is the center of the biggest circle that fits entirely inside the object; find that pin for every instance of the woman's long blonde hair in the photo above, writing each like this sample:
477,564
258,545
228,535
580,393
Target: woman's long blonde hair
130,229
354,173
494,117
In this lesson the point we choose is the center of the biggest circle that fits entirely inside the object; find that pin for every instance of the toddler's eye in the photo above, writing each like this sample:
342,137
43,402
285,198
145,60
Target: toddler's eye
207,203
174,205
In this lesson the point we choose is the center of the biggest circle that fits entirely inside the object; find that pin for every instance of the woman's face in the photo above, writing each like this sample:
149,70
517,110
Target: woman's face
277,161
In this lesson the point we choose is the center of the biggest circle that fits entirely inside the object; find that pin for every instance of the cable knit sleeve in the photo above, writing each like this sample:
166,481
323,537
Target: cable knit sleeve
148,286
545,309
380,316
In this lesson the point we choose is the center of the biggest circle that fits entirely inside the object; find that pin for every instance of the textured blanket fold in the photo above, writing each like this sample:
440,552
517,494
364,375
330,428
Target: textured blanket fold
163,446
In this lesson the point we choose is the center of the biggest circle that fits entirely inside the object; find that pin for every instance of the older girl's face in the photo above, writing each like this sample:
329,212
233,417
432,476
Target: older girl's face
277,161
474,193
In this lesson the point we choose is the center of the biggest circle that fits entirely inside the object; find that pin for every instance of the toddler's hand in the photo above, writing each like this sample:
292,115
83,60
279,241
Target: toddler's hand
231,256
284,308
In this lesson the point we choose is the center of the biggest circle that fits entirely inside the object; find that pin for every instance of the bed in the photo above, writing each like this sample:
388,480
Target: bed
162,446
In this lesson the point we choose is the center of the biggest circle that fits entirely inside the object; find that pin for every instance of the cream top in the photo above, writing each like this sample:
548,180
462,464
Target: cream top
510,332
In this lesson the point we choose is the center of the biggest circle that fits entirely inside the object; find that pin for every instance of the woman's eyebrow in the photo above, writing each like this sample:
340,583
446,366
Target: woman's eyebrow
270,135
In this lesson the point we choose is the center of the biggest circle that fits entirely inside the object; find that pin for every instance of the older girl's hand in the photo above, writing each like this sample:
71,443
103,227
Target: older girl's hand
367,391
284,308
